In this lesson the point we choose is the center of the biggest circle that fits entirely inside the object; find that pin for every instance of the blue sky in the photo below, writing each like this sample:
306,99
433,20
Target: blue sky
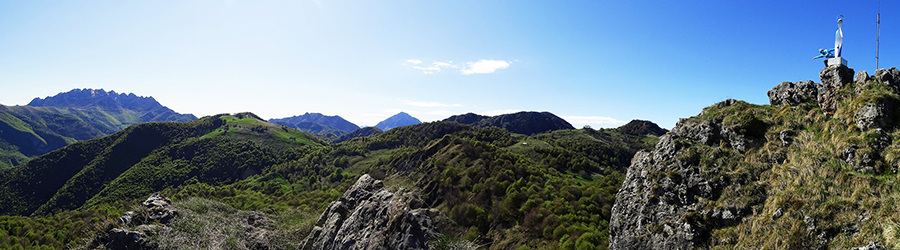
598,63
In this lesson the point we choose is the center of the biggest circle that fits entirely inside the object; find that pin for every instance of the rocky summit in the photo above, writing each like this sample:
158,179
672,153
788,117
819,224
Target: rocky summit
813,170
369,216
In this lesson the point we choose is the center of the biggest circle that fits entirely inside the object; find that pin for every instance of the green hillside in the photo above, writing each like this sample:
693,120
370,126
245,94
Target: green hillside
508,189
33,131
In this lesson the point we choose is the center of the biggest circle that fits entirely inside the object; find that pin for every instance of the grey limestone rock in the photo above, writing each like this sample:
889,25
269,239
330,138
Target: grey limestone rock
877,115
788,93
873,245
658,206
833,79
861,77
160,209
368,216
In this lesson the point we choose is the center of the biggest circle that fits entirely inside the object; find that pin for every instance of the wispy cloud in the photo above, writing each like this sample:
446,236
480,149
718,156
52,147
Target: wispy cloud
435,67
430,104
592,120
485,67
442,113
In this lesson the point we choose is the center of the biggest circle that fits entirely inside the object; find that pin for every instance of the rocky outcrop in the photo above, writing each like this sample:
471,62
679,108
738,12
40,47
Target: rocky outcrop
877,114
657,206
157,210
833,79
369,216
789,93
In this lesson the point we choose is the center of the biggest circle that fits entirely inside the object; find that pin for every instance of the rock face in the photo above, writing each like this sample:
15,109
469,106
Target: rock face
788,93
833,79
657,206
368,216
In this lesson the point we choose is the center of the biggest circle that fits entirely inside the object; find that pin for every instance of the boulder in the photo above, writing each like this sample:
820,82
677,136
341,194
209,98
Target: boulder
160,209
873,245
877,115
833,79
861,77
788,93
368,216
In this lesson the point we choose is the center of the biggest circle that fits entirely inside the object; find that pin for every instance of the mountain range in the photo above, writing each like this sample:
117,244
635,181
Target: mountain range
50,123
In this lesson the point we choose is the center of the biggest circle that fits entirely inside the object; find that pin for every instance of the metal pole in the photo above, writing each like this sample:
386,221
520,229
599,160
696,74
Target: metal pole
877,34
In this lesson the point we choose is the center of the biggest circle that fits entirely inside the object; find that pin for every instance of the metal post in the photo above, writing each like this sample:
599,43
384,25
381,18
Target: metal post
877,34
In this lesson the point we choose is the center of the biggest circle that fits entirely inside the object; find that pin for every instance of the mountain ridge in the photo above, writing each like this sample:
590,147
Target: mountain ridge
525,122
50,123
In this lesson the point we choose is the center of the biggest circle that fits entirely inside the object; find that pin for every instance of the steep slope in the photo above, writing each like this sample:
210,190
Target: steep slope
526,122
145,158
81,114
816,169
317,123
399,120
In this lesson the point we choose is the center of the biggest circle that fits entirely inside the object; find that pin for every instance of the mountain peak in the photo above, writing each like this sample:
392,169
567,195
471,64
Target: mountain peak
307,119
398,120
525,122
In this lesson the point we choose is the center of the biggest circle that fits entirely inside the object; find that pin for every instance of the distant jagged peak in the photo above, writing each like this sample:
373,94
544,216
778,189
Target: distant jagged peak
95,97
147,107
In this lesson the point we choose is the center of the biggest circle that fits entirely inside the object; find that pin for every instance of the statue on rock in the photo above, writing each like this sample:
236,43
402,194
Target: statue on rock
833,56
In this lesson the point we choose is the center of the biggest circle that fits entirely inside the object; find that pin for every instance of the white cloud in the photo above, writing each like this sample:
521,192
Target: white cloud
435,67
430,104
592,120
414,61
485,67
499,112
446,113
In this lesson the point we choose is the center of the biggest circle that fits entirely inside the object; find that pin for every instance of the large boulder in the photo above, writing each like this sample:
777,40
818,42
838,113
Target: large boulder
369,216
878,114
788,93
833,79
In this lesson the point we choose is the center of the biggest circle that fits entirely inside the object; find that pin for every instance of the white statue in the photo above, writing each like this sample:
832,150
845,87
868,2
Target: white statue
838,37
